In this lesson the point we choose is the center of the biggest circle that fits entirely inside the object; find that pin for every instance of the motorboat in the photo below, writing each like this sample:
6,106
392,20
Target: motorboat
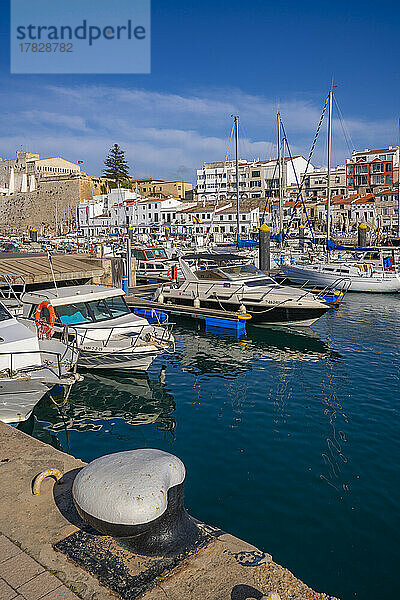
243,289
362,276
154,263
108,335
30,367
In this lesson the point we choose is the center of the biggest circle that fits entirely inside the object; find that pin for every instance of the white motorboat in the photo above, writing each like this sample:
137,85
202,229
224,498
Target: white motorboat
108,335
244,289
350,276
29,367
153,263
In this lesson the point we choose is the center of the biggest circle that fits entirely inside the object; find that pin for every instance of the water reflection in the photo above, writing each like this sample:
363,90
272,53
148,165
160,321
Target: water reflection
203,353
99,399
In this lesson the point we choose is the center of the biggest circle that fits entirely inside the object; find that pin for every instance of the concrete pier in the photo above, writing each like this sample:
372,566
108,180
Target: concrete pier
35,531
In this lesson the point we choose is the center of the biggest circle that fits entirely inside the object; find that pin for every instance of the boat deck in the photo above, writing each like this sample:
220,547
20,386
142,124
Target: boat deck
181,310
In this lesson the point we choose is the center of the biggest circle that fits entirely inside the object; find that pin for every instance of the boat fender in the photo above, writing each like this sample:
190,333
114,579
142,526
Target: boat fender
37,482
160,299
44,328
242,309
196,302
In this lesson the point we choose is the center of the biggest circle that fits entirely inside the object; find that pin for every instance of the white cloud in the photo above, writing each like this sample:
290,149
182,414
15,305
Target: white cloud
166,135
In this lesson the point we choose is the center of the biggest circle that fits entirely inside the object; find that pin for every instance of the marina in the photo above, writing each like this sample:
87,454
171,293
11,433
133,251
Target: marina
309,417
199,301
278,378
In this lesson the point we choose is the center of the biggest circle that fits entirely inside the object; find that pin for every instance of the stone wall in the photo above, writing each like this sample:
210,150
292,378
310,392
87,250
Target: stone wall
54,203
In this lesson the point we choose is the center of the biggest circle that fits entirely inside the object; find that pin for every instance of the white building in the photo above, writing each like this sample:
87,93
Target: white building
23,173
120,208
257,179
315,183
206,219
363,210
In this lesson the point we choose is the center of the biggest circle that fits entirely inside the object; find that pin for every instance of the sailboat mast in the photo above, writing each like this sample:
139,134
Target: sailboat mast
328,187
236,121
278,117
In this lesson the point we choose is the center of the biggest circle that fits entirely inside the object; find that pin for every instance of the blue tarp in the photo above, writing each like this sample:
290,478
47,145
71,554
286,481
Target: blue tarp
334,246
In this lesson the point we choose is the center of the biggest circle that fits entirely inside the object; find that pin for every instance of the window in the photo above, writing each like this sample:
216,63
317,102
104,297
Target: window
388,167
256,183
4,314
73,314
255,173
117,306
99,310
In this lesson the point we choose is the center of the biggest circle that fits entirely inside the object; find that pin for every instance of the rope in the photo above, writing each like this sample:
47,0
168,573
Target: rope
269,193
346,134
218,188
301,193
229,143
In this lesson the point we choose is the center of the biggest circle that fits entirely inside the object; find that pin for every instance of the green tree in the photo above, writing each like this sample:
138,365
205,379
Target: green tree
116,166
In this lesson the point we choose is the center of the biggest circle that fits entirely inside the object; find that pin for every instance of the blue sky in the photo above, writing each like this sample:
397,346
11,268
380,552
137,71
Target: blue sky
209,60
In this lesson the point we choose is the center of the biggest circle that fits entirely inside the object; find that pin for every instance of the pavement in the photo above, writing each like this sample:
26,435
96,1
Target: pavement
31,568
23,578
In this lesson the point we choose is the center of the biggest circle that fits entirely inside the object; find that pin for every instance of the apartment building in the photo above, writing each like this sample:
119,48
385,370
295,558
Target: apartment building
257,179
222,219
158,188
363,210
316,183
372,170
387,209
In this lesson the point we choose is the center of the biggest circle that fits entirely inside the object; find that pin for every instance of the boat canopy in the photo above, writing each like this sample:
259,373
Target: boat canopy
71,294
235,273
217,257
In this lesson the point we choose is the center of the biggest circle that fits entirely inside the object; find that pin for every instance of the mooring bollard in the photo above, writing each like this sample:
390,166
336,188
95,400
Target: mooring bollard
301,236
137,497
362,235
264,252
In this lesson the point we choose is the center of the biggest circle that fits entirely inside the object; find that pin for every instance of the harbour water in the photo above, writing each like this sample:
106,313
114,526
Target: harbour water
290,438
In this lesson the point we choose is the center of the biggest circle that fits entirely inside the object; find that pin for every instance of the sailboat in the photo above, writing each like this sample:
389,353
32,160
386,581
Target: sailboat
350,275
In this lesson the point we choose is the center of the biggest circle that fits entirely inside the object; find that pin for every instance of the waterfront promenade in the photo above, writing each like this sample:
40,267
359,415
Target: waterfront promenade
31,568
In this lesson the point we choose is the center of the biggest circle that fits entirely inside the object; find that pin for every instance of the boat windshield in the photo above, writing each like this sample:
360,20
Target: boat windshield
241,272
4,314
93,311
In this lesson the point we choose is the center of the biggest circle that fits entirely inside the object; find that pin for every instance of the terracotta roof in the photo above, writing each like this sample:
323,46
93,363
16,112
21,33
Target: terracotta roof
152,200
288,204
367,199
387,192
201,209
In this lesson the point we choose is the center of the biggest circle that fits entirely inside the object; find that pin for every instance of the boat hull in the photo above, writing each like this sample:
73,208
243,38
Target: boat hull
18,397
381,285
125,361
271,315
